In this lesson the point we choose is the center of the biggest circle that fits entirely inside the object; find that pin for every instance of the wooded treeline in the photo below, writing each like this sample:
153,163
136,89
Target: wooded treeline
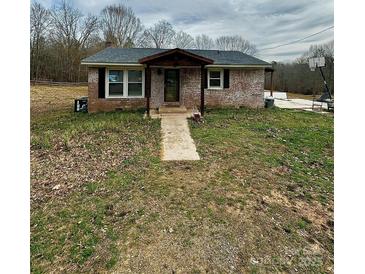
62,35
296,77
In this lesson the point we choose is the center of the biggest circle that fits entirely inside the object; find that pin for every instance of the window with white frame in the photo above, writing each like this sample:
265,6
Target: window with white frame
116,86
135,83
215,79
124,83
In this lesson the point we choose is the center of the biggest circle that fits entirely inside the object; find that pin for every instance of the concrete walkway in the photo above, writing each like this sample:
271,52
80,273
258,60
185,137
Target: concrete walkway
177,144
299,104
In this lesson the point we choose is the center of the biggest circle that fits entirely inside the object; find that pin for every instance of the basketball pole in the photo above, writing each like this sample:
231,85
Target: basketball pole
325,83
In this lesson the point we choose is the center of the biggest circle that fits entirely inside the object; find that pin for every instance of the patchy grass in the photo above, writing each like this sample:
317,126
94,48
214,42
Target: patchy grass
260,200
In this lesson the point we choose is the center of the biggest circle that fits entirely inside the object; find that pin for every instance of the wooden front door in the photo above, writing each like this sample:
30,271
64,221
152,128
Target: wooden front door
172,85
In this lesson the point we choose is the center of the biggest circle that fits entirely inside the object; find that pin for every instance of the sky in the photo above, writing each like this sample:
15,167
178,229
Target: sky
266,23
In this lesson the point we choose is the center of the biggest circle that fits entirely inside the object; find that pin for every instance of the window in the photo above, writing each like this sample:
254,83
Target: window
124,83
134,83
116,82
215,79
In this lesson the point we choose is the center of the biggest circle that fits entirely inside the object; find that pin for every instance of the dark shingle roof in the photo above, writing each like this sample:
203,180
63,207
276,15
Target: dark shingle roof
132,55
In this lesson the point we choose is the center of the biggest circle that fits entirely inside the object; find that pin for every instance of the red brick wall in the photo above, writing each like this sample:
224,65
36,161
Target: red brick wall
157,87
246,89
190,87
96,104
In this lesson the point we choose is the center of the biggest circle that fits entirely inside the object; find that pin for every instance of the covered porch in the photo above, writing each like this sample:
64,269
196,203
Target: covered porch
175,79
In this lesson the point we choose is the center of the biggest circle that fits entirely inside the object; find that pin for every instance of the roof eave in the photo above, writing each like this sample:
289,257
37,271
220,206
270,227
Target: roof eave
100,64
238,66
111,64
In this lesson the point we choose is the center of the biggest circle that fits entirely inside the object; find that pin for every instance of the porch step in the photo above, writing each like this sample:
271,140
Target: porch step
170,109
171,104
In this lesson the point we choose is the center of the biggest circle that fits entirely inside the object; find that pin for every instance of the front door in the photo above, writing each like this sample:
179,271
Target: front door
172,85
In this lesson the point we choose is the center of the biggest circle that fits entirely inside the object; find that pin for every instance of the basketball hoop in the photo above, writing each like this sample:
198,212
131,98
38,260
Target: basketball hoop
316,62
319,62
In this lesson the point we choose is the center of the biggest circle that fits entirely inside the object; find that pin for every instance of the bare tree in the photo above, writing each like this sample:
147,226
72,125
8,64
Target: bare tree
203,42
70,33
70,27
120,25
183,40
144,40
39,21
158,36
322,50
235,42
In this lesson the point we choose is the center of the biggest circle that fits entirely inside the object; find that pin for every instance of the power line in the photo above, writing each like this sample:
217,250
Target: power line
296,41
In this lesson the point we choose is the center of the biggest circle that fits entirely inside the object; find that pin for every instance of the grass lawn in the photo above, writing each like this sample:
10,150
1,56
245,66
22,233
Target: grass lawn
260,200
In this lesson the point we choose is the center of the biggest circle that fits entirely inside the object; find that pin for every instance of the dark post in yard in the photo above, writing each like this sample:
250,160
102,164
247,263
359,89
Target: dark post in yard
271,70
325,83
148,88
202,84
271,83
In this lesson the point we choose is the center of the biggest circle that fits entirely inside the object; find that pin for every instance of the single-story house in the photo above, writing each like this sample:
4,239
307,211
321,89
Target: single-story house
120,78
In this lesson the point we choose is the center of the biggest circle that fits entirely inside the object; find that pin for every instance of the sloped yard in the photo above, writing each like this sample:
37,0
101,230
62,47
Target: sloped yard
260,200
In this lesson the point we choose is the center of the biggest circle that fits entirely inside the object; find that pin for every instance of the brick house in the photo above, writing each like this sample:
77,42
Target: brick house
120,78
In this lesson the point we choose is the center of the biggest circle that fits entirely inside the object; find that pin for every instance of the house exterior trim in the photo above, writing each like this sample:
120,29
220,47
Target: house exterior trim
112,64
156,66
237,66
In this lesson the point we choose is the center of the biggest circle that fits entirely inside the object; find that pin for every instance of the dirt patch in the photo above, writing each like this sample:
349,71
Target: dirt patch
66,167
72,150
315,212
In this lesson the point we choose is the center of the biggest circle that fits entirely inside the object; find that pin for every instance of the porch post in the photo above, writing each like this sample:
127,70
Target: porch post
148,88
202,84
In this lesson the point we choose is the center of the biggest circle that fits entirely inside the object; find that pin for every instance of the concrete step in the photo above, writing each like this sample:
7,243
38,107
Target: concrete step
170,109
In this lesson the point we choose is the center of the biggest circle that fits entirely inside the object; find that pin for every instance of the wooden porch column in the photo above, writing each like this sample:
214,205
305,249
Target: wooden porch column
148,88
202,84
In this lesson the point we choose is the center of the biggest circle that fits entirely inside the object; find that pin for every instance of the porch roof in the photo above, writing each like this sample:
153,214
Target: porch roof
175,55
134,55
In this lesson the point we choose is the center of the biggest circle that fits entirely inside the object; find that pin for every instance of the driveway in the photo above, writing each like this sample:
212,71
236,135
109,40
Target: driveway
297,104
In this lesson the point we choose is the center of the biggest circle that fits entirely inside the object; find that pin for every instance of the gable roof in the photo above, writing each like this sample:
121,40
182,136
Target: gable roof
133,55
172,53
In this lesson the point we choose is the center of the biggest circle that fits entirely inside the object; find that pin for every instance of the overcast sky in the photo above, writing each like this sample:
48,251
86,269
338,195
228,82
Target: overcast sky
266,23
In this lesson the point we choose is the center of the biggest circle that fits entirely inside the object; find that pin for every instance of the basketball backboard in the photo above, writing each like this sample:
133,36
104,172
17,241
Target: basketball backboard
316,62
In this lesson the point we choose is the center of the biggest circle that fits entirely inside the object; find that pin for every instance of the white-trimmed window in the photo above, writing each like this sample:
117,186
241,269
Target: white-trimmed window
124,83
135,83
215,79
116,85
